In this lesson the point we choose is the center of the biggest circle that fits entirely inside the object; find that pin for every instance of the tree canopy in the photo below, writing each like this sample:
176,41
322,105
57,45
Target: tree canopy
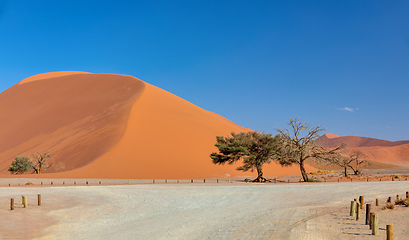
41,161
298,144
253,148
20,165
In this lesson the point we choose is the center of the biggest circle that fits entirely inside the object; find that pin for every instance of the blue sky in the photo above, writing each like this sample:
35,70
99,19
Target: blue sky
341,64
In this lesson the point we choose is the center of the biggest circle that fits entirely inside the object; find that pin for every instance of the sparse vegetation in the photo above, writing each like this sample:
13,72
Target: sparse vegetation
42,161
253,148
389,206
298,144
20,165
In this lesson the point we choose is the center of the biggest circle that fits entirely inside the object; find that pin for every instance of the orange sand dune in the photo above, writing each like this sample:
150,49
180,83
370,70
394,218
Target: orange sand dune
373,149
111,126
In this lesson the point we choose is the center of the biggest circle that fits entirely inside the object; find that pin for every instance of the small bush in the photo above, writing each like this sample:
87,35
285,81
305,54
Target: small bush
313,180
402,201
20,165
397,176
389,206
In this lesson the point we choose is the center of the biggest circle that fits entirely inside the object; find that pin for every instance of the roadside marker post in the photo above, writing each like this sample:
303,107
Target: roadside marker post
353,209
358,211
390,232
368,210
24,200
375,221
12,204
361,201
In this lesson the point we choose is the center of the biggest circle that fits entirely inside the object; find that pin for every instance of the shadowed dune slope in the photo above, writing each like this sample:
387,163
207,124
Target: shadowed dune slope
76,117
372,149
110,126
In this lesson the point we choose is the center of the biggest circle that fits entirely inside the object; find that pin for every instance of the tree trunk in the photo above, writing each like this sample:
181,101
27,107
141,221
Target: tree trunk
345,172
303,172
355,171
259,175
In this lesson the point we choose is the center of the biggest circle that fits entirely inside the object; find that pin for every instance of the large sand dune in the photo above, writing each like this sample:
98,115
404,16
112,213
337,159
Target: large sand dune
112,126
372,149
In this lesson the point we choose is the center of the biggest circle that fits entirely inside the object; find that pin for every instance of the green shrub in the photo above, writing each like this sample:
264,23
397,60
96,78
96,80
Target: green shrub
20,165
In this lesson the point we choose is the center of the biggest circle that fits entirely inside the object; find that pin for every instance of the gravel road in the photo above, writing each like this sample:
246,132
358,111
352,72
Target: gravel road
196,211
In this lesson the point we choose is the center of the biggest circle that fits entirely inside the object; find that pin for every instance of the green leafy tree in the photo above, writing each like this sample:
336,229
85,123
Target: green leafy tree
253,148
20,165
298,144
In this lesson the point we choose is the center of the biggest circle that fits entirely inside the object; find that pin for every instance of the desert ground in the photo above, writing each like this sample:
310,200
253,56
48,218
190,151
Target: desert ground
139,209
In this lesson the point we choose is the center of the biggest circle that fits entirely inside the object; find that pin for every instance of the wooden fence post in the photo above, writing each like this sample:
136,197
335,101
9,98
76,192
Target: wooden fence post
12,204
375,220
217,180
353,209
358,211
371,219
204,180
39,199
377,202
361,201
24,198
390,233
368,210
166,181
153,180
191,181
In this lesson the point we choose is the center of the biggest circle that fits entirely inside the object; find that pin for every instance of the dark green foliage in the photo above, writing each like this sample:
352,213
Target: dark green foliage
20,165
253,148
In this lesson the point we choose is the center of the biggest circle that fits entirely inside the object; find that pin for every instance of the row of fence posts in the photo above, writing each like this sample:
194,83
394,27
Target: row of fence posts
191,181
371,218
24,201
63,183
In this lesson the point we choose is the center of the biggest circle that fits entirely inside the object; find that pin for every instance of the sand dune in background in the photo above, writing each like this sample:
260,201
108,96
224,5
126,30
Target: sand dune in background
373,149
111,126
77,117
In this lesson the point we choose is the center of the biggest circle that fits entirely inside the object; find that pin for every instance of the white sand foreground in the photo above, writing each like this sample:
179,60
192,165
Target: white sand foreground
198,211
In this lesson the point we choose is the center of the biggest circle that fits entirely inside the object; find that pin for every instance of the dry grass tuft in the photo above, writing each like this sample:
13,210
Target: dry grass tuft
389,206
30,183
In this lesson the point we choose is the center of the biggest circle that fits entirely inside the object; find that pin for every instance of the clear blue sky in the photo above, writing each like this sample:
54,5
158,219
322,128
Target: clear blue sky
342,64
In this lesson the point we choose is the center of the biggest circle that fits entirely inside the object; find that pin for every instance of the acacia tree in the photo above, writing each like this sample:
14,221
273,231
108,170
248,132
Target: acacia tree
253,148
41,161
298,144
20,165
346,161
356,163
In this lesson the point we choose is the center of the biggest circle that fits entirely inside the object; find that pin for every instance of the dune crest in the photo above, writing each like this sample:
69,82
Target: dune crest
331,135
50,75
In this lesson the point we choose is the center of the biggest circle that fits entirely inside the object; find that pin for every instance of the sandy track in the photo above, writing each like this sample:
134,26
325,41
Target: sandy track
197,211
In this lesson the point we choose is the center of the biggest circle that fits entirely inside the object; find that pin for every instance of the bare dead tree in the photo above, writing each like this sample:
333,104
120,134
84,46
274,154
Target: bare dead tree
356,162
346,160
41,161
298,144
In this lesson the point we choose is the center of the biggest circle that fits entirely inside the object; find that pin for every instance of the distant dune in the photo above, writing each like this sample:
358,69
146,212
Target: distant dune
112,126
372,149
